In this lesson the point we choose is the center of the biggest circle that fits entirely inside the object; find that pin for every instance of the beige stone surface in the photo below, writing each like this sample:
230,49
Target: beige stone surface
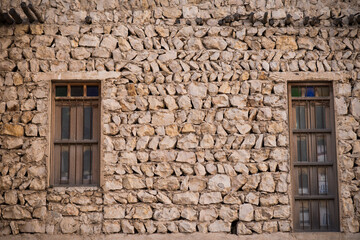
194,116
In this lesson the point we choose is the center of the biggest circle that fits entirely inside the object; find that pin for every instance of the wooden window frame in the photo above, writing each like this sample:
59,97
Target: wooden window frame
76,142
312,166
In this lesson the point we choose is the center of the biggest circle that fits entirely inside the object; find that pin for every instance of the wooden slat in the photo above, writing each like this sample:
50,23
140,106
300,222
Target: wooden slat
72,164
56,165
77,98
66,141
313,130
95,164
79,164
312,164
310,98
315,197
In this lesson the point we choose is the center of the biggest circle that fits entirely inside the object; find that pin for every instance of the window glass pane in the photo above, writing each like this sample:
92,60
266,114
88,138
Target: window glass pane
310,92
301,149
64,165
303,181
61,91
324,214
92,91
320,116
322,91
321,148
300,117
295,91
87,164
323,181
77,91
65,122
304,215
87,123
325,91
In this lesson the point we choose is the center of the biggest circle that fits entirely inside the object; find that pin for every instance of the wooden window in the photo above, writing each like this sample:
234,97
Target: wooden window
313,157
75,134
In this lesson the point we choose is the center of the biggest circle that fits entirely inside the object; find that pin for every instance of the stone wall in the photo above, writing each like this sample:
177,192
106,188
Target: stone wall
195,117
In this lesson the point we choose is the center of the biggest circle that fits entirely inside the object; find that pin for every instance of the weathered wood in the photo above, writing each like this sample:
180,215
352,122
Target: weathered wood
37,13
7,18
15,16
27,12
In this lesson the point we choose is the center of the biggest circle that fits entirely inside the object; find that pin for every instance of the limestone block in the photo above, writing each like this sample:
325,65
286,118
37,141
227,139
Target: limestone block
219,226
282,212
133,182
186,157
89,41
217,43
197,184
306,43
111,227
190,11
186,198
5,182
210,198
194,44
111,104
13,130
189,214
71,30
7,66
163,118
219,182
166,214
135,43
353,224
70,210
263,214
36,151
207,215
278,14
114,212
162,156
242,229
228,214
168,184
43,52
270,227
267,183
240,156
113,185
267,43
37,29
41,40
39,212
16,212
37,184
6,42
252,182
286,43
163,169
355,107
171,12
12,142
109,42
246,212
269,200
143,212
33,226
188,142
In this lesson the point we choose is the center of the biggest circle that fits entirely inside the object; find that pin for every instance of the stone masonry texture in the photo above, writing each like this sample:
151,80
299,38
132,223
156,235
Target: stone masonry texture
194,122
